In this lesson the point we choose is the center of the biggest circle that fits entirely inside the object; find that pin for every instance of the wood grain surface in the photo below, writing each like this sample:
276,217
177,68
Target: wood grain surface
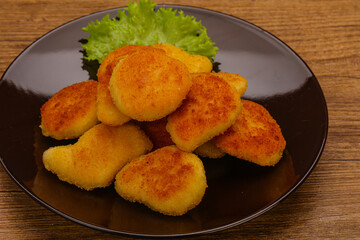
325,33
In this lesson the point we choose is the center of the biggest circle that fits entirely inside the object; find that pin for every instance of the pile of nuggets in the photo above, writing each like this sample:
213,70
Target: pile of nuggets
143,125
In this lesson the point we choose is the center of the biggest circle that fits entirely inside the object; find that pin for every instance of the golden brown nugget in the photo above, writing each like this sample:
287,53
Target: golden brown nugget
112,59
210,108
99,154
195,63
107,112
70,112
255,136
148,85
160,137
167,180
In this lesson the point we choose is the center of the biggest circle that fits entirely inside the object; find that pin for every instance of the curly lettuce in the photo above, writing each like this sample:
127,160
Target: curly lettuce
141,24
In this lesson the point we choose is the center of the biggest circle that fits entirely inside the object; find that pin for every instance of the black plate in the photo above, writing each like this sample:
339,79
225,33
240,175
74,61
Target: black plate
238,191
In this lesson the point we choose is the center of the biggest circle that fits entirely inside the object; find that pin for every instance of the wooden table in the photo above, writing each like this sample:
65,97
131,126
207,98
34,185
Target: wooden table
325,33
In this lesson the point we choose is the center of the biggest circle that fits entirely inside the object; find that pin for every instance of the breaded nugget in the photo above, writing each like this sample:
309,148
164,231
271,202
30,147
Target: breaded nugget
160,137
195,63
70,112
156,131
99,154
255,136
148,85
167,180
210,108
107,112
239,82
209,150
112,59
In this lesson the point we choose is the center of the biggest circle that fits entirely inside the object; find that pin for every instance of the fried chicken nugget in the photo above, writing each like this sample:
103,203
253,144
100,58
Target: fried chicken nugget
70,112
107,112
255,136
99,154
160,137
195,63
210,108
209,149
167,180
148,85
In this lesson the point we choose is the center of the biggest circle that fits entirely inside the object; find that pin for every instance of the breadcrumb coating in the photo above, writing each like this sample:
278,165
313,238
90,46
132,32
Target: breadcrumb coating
148,85
210,108
255,136
97,156
107,112
167,180
70,112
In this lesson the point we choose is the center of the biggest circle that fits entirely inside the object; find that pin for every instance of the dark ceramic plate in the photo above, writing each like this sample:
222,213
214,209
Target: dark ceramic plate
238,191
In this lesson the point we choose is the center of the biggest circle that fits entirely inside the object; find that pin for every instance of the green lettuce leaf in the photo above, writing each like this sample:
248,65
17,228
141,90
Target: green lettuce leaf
140,24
